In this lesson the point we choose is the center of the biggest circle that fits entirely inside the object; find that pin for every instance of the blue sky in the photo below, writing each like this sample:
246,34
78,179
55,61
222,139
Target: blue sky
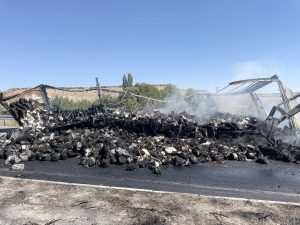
198,44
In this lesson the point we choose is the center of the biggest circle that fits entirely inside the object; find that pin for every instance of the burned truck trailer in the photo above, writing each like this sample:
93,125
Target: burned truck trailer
100,136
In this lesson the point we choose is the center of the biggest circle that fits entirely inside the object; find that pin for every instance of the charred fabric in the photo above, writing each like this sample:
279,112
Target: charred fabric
101,137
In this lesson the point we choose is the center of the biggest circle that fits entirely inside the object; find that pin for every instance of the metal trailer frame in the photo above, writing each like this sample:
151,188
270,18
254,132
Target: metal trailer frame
249,86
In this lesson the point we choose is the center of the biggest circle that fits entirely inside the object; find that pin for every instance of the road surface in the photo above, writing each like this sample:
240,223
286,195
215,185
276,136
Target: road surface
276,181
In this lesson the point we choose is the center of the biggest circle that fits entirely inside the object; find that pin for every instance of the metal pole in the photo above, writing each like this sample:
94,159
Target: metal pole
98,89
286,104
44,95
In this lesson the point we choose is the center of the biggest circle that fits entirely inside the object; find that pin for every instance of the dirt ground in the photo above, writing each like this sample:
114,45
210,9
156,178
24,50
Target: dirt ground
44,203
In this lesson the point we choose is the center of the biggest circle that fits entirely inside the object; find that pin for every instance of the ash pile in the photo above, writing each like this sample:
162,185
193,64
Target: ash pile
102,137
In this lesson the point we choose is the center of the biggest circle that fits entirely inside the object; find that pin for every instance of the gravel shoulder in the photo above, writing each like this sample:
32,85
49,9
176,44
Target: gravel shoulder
24,201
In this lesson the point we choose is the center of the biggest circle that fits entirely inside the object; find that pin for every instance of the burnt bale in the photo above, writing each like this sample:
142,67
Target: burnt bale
233,156
121,160
217,157
17,167
166,160
72,154
271,152
250,155
242,157
193,159
113,159
104,163
55,156
45,157
12,159
63,155
87,161
177,161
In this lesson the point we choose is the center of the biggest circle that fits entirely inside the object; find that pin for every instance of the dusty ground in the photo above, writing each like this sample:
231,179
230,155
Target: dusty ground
39,202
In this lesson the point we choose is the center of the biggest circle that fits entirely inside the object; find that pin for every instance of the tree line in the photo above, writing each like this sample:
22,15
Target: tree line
125,99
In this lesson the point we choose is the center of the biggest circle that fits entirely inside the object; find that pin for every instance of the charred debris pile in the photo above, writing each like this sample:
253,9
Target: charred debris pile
101,137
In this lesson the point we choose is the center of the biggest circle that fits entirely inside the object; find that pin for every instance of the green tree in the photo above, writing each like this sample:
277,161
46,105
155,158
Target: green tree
147,90
124,81
129,80
141,89
168,91
1,95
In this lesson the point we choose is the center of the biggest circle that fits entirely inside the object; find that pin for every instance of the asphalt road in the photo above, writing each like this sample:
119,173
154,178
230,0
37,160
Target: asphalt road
276,181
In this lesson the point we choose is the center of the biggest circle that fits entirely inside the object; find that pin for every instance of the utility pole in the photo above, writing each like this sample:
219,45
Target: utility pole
98,89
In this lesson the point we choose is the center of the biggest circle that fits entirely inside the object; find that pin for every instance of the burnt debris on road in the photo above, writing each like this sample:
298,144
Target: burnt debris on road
100,137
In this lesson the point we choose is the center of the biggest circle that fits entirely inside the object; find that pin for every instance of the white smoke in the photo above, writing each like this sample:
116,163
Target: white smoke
205,106
267,67
287,73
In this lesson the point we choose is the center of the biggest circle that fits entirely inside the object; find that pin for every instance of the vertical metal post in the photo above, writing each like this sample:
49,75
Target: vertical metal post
98,89
287,106
44,95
